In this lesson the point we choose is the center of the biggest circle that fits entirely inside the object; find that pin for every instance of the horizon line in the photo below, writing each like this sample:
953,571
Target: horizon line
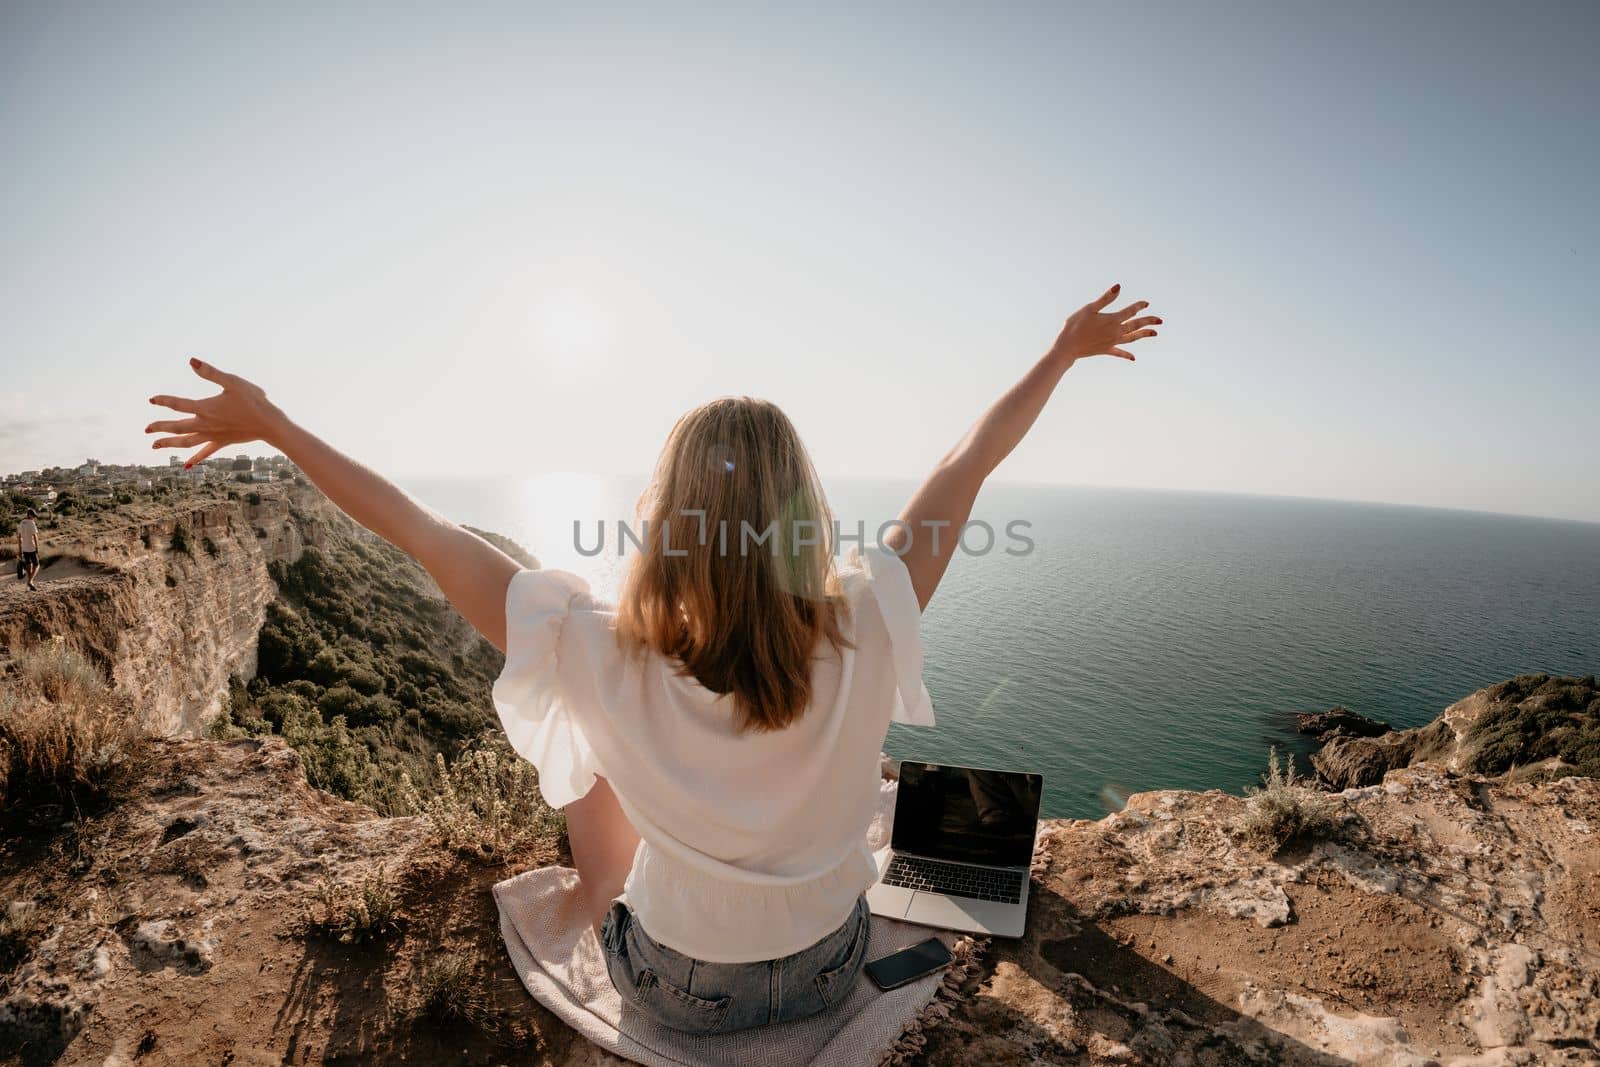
1019,482
1029,483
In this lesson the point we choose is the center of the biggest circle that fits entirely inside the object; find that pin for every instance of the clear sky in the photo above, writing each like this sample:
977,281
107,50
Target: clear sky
468,239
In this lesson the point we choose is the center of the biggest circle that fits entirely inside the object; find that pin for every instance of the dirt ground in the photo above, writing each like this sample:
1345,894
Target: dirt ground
1448,921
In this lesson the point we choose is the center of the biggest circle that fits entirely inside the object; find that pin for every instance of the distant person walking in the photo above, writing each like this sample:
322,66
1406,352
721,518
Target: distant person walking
28,545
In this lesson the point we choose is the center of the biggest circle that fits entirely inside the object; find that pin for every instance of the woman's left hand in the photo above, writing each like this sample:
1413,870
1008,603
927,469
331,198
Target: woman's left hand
240,413
1093,331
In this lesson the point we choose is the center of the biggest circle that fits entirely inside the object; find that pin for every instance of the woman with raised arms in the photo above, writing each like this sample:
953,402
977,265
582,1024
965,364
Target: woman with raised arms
713,736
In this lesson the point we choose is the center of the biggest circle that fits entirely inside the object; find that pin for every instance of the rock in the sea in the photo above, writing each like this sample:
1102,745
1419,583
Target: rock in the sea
1339,721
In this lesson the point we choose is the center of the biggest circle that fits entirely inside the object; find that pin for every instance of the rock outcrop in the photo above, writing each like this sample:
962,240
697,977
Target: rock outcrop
1451,920
1339,721
1535,723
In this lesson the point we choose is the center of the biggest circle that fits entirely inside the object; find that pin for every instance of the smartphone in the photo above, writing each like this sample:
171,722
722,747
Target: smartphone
908,964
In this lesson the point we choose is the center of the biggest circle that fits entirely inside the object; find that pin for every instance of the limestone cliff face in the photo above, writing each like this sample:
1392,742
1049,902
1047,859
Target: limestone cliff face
171,626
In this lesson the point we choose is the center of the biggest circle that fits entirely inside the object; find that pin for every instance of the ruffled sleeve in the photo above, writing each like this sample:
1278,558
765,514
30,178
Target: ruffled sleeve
890,583
528,696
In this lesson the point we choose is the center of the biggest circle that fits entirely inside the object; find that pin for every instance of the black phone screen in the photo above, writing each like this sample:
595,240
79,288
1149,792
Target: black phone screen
908,964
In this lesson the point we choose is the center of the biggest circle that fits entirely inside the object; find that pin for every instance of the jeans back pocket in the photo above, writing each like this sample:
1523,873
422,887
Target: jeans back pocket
678,1008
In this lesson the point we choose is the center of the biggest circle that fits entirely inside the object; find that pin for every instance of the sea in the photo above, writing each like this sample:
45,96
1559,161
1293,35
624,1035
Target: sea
1132,640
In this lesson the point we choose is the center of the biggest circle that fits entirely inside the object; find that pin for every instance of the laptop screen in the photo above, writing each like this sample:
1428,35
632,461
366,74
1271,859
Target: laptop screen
967,815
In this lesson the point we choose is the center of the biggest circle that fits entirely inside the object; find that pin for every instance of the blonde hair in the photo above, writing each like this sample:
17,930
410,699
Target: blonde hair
735,575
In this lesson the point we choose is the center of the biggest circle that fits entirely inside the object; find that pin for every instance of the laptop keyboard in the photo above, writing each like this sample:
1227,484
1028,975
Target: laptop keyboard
954,879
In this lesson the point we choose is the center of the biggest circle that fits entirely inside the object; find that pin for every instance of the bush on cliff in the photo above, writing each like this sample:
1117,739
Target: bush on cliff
1282,810
487,803
365,670
1538,717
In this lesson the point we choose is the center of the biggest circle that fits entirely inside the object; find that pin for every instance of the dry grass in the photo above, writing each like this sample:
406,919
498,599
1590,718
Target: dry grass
58,672
488,805
1282,810
355,912
64,737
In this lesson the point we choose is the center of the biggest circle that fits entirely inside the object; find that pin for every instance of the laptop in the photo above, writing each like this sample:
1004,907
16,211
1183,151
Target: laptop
959,853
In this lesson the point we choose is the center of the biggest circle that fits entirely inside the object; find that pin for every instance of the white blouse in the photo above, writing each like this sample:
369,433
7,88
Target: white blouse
753,846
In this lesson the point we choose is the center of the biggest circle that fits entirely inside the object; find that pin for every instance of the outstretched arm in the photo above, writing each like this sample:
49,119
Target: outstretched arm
473,573
943,503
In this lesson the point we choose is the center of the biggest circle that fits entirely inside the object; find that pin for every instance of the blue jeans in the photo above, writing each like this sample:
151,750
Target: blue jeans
687,994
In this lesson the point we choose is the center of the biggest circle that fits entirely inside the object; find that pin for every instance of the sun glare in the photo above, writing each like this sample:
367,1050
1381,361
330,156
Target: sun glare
551,503
571,328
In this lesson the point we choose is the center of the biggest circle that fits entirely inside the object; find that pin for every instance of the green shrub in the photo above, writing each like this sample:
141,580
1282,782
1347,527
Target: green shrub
340,700
253,499
1538,717
366,672
210,546
334,760
363,680
180,540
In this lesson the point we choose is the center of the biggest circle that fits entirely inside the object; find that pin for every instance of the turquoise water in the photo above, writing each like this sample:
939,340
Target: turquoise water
1158,640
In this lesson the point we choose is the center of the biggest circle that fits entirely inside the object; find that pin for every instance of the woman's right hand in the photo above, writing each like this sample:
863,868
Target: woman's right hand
240,413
